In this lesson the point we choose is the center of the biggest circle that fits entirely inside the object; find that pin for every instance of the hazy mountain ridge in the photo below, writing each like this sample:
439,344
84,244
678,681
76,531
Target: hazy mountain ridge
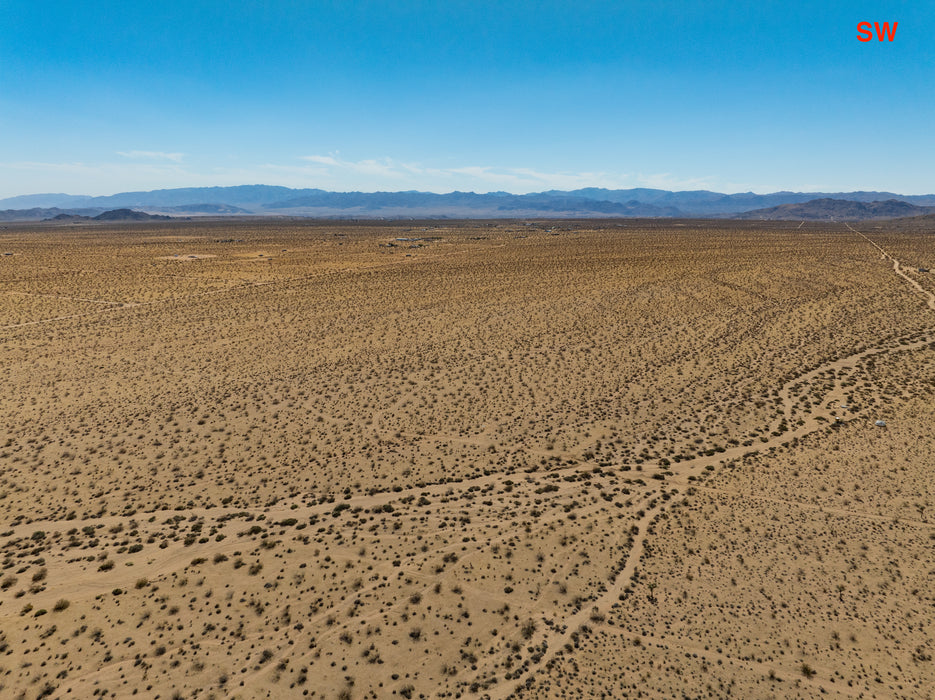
827,209
706,202
490,203
219,209
247,196
586,202
76,215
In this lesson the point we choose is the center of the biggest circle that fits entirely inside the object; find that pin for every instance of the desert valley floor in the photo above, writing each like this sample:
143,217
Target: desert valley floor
275,459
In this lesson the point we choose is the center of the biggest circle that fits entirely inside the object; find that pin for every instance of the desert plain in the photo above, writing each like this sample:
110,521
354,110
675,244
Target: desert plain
554,459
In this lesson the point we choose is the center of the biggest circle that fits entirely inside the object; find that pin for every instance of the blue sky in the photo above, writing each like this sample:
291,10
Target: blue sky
107,96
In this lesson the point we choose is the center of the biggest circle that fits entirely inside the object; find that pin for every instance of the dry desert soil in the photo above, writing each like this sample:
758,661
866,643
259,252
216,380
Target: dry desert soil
276,459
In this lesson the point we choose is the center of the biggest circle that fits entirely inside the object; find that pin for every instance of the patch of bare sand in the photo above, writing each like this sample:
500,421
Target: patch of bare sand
187,256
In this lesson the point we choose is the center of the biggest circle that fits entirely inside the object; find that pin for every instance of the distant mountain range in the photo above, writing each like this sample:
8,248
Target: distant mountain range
267,200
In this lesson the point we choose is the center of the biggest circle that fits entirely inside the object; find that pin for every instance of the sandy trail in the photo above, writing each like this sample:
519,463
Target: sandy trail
897,268
66,298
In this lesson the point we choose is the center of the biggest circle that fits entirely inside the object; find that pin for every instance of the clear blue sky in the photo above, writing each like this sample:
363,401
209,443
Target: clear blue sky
107,96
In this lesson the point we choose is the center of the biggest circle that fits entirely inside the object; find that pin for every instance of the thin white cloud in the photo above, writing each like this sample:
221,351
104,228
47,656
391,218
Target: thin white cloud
385,167
667,181
328,172
472,177
386,173
324,160
76,177
152,155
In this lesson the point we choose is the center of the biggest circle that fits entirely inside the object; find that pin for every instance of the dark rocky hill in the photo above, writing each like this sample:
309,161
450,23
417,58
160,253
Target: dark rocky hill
129,215
827,209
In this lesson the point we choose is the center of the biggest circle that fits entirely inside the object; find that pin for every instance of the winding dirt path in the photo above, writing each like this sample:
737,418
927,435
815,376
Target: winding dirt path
897,268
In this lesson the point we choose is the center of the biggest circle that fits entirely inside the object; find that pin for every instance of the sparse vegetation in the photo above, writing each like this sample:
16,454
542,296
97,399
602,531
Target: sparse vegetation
598,460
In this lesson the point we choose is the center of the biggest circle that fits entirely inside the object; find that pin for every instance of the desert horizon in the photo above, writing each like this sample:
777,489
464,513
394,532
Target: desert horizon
518,350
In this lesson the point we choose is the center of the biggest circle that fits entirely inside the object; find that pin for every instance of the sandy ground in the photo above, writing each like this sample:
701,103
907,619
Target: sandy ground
488,460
